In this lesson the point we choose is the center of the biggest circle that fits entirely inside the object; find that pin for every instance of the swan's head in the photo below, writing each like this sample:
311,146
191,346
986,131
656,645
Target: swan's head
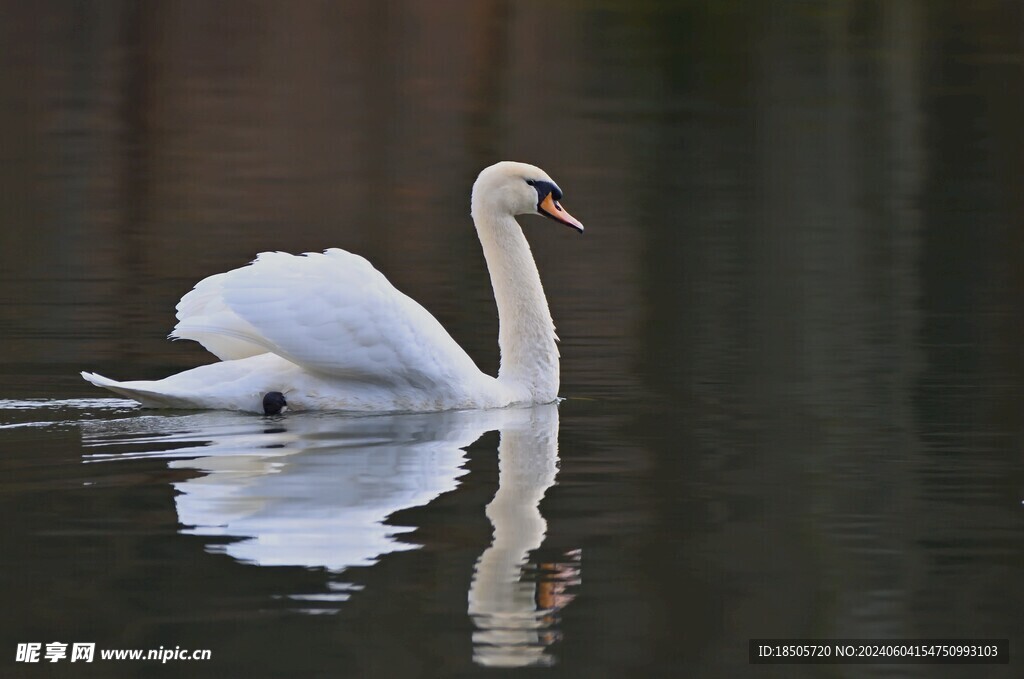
520,189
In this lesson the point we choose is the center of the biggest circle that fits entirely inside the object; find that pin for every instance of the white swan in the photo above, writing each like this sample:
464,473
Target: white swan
329,332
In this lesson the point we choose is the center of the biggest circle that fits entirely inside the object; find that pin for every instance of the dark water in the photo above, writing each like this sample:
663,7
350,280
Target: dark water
791,335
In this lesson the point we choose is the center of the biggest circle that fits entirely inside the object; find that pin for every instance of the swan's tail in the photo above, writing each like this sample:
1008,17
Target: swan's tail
138,391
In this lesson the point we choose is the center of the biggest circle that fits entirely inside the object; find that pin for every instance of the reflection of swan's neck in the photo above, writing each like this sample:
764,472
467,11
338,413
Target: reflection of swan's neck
511,625
526,334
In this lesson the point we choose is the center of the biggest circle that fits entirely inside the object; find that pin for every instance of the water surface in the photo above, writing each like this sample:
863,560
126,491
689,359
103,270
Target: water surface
790,336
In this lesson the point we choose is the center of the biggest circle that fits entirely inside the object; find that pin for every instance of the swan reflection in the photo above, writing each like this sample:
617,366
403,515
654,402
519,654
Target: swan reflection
317,490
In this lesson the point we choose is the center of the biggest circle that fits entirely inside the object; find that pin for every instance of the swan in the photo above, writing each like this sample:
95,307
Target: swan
327,331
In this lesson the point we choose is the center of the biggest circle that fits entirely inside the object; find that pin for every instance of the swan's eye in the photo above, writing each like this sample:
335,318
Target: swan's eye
531,182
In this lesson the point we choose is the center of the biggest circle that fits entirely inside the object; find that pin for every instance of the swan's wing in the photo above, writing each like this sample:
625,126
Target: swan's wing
331,313
203,316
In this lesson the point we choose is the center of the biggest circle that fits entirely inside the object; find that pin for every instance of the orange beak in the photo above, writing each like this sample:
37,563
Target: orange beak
549,207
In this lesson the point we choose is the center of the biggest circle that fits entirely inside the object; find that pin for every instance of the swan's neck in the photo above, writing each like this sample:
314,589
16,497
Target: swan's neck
526,333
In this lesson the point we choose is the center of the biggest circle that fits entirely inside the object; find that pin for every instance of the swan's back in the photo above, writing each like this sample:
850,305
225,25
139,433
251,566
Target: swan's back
332,314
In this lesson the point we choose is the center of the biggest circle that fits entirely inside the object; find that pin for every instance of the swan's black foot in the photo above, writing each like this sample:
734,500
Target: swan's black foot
274,403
